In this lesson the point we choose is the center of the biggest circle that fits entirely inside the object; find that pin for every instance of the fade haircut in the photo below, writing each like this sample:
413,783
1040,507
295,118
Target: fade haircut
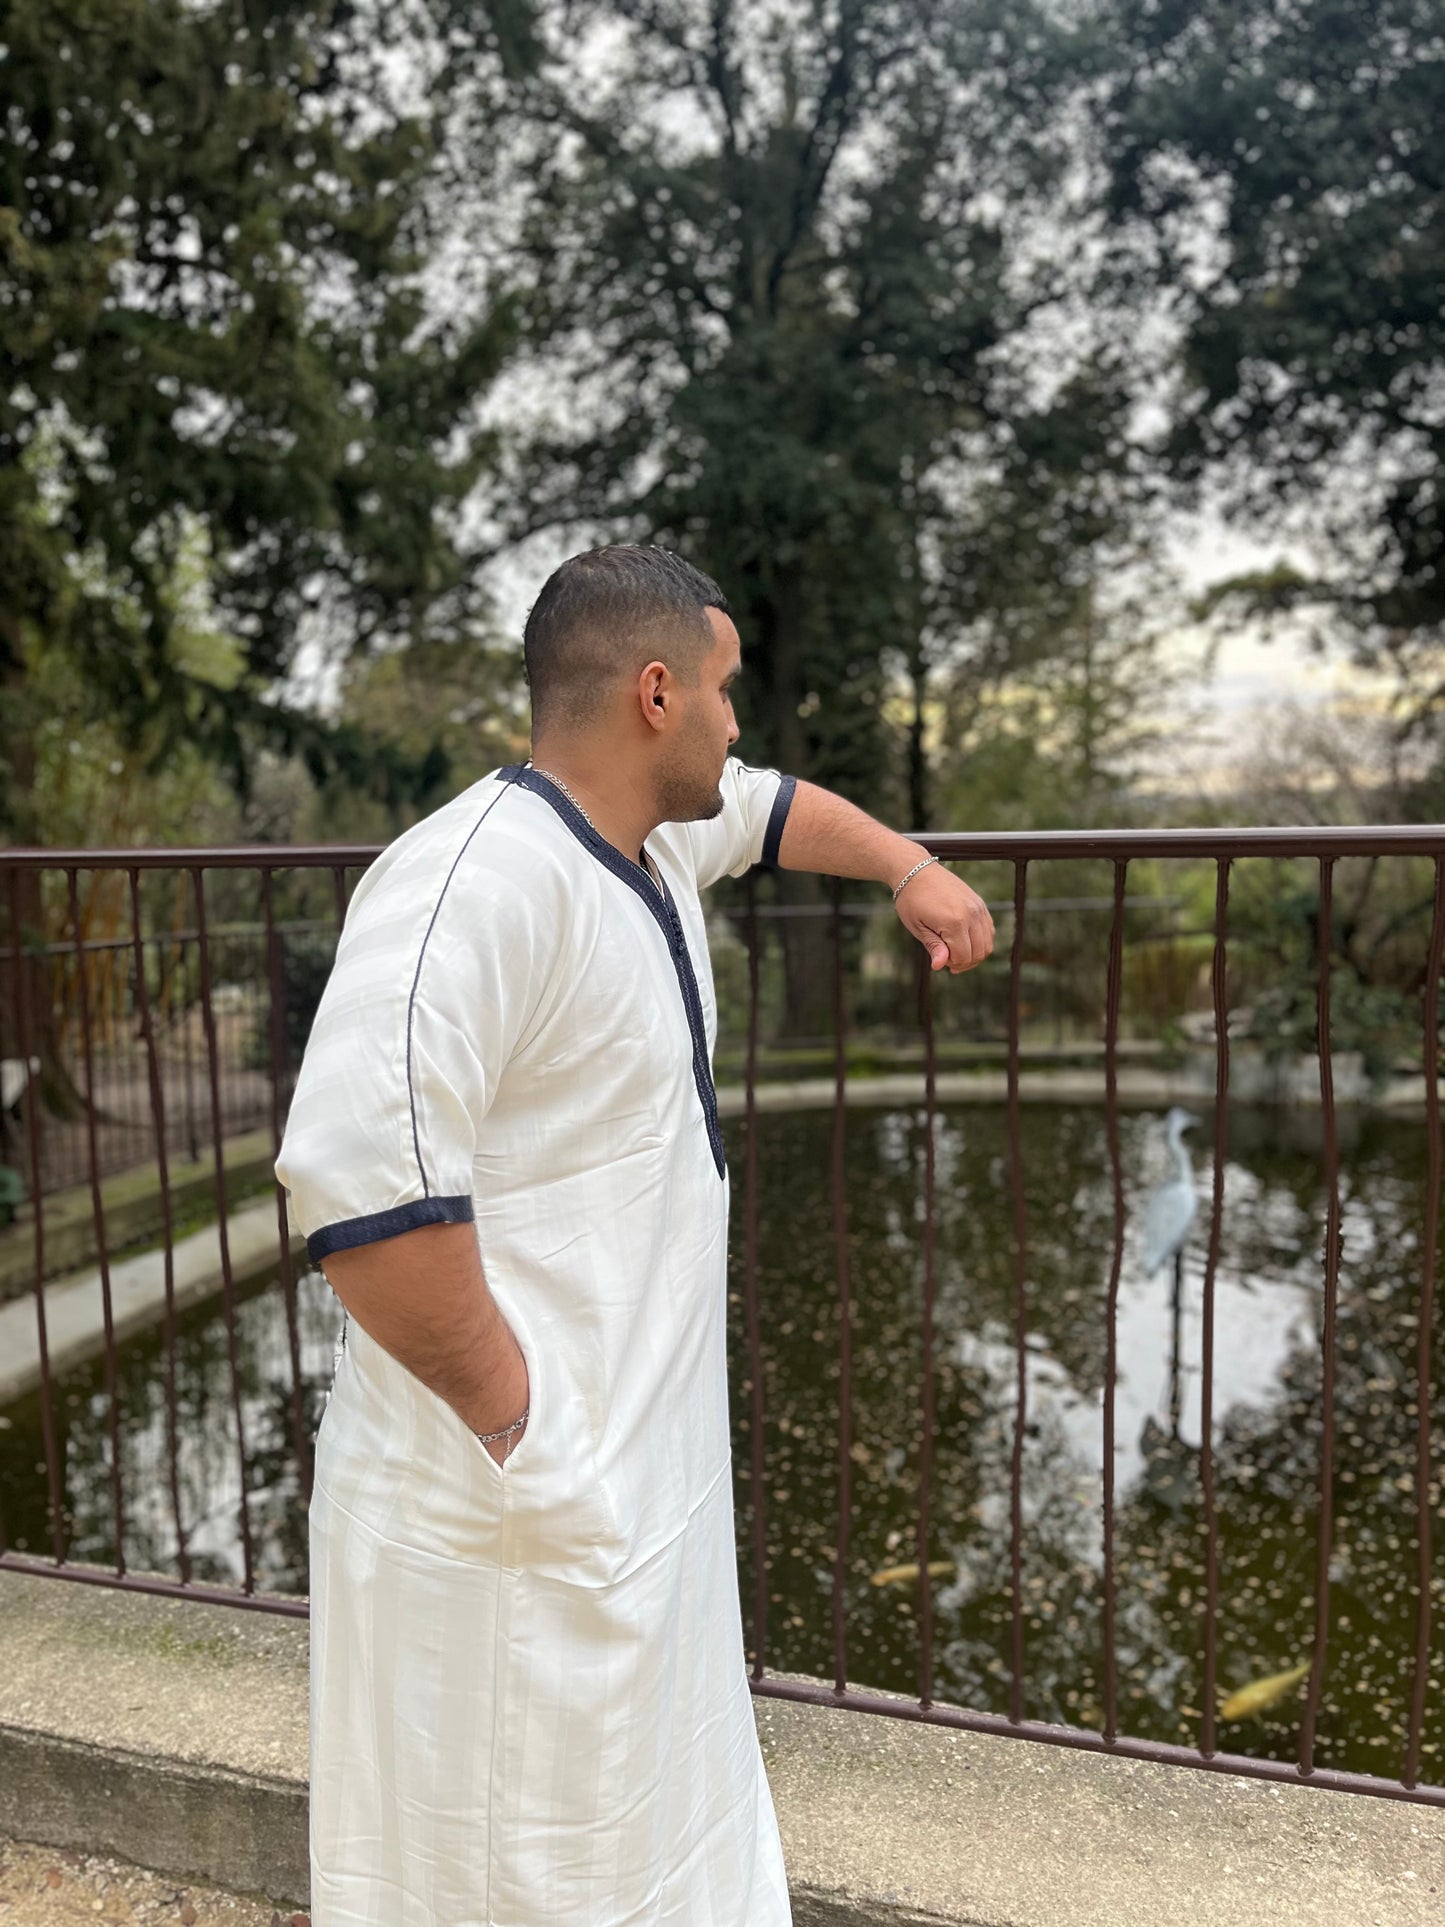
602,617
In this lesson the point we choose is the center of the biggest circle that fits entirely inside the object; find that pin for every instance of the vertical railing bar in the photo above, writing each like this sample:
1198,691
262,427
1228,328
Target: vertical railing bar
930,1226
1015,1135
845,1305
13,953
228,1296
1111,1365
750,1292
120,961
110,1004
1218,973
5,1151
1424,1336
163,1178
277,1027
338,885
97,1210
1327,1361
193,1147
1176,1344
37,1204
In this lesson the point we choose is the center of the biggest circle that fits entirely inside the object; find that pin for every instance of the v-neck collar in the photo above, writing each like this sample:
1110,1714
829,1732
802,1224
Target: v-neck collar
664,911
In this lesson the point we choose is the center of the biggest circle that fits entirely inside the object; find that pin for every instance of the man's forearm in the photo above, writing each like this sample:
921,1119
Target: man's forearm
826,833
424,1298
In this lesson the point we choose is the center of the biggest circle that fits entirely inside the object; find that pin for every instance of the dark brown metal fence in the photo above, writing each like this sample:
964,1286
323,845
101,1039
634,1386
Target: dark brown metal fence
42,889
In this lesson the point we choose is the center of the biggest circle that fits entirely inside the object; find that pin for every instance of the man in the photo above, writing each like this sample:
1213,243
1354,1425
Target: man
529,1699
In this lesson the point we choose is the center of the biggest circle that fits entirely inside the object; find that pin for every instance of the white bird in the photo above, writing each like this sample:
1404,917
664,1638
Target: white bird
15,1074
1171,1205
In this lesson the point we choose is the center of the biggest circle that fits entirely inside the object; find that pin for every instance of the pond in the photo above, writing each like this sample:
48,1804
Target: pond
1269,1294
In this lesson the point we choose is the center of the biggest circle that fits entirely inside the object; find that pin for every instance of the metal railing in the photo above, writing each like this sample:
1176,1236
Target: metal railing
1326,849
119,1063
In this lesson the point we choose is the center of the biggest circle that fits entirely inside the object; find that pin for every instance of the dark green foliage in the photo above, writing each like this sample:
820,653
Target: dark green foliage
306,962
1377,950
12,1192
1313,336
222,410
783,247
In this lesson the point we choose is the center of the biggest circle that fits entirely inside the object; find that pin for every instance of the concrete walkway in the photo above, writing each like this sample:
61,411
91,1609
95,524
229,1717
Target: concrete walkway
174,1735
74,1307
50,1887
130,1209
1137,1089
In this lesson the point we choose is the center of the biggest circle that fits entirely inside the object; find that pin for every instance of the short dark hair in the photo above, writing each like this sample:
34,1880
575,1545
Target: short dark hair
603,615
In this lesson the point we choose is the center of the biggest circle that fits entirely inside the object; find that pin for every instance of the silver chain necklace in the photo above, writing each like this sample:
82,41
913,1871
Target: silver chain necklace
568,794
647,865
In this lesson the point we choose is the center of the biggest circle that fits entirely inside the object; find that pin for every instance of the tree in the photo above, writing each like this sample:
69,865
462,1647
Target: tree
230,409
782,252
1278,168
1059,743
1329,765
217,339
778,252
459,700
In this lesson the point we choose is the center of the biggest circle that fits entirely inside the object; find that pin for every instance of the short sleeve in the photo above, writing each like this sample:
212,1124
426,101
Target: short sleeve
749,827
431,995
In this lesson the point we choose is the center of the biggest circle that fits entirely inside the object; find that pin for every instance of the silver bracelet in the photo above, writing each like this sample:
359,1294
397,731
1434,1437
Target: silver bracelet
507,1430
911,874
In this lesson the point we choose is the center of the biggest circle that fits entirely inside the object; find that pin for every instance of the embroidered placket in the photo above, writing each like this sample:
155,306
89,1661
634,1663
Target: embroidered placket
664,910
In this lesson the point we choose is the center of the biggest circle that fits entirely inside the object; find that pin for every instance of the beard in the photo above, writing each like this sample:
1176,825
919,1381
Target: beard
687,789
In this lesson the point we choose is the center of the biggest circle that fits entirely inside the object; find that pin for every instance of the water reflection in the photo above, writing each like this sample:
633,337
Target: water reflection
1266,1421
1266,1424
208,1471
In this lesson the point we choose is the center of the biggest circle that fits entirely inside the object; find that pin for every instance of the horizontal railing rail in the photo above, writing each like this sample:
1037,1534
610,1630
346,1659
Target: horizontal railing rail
45,933
1340,840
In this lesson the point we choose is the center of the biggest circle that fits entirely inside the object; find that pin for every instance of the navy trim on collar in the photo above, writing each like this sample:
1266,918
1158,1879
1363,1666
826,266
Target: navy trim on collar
664,909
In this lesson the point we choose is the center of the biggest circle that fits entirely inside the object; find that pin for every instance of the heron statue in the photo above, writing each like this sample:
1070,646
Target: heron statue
1168,1214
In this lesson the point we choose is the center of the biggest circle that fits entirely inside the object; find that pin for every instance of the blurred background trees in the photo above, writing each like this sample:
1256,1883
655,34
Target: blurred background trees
231,424
330,326
1277,168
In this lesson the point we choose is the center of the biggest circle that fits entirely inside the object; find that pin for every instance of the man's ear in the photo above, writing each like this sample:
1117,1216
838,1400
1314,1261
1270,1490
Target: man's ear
652,690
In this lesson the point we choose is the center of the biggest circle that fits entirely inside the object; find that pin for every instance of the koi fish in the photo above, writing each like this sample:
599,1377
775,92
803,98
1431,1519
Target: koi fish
1261,1694
904,1575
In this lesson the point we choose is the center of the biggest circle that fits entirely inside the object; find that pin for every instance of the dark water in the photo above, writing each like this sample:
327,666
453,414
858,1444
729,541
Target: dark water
1267,1426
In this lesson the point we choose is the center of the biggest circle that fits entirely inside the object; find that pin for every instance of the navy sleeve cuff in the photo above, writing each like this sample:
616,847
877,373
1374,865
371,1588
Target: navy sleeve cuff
773,835
350,1232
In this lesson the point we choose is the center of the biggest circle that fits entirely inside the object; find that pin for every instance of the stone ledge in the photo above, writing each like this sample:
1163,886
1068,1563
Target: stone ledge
888,1822
174,1735
238,1830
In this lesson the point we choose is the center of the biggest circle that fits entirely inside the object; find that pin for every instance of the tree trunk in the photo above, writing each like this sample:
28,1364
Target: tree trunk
22,918
807,974
918,800
21,893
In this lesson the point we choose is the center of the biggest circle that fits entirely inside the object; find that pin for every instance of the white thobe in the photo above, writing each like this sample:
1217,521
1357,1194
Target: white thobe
529,1695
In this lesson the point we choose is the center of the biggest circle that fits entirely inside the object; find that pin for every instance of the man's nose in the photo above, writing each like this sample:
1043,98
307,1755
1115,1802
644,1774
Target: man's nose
733,732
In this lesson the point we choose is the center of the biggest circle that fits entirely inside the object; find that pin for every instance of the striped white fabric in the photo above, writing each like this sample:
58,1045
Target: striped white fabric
529,1700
